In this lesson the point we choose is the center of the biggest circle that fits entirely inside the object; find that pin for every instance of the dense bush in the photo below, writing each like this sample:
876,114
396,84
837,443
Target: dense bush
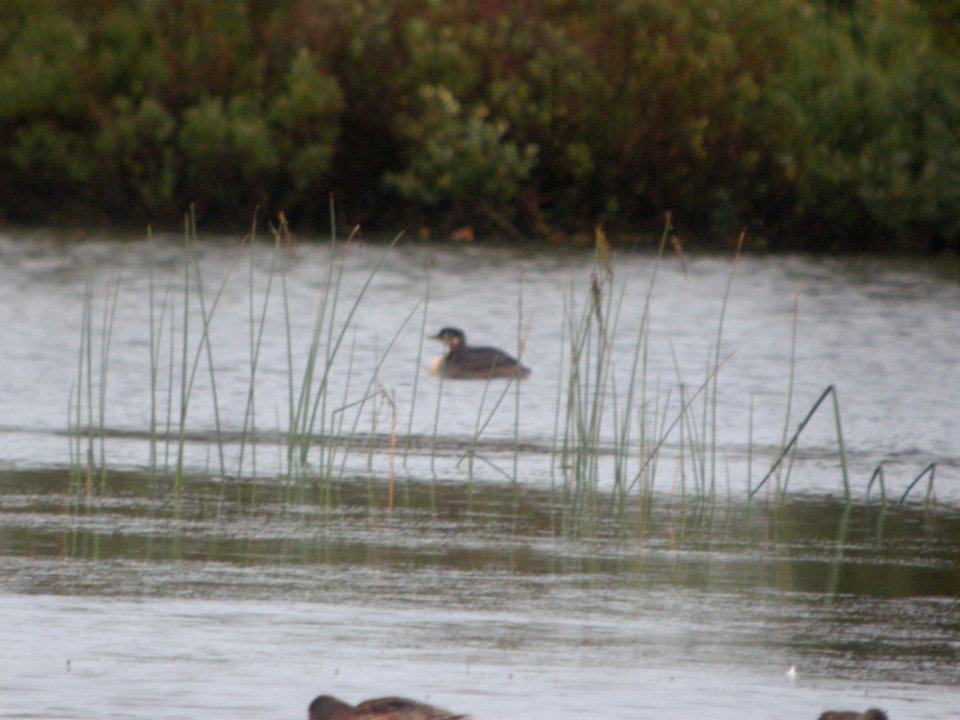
817,124
460,161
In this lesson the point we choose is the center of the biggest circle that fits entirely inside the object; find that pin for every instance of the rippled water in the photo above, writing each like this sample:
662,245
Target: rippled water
248,592
884,334
138,606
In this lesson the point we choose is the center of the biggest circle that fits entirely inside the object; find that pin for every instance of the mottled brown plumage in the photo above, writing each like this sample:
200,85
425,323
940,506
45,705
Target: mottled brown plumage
464,362
327,707
871,714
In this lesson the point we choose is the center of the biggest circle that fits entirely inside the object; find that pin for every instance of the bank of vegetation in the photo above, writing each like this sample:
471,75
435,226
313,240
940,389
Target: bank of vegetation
815,124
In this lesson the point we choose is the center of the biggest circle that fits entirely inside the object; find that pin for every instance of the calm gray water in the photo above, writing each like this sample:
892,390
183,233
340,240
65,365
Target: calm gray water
248,593
884,333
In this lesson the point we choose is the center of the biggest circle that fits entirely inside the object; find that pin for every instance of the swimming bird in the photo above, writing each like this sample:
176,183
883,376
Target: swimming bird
464,362
870,714
327,707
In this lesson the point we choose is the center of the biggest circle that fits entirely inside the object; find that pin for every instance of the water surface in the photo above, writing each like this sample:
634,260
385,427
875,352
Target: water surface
244,593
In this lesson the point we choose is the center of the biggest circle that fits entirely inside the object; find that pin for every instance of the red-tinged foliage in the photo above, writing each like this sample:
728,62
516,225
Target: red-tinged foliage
814,124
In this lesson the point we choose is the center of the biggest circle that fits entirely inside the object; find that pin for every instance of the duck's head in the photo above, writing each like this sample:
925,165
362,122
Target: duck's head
451,337
327,707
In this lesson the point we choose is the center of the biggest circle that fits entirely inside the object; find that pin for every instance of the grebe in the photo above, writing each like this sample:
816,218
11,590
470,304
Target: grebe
327,707
463,362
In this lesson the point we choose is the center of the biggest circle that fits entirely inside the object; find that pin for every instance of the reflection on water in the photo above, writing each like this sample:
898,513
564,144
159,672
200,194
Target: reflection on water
487,589
808,545
460,587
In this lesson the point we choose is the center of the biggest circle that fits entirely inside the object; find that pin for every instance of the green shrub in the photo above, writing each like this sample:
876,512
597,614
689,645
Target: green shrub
818,123
550,96
306,116
135,142
127,59
51,156
40,66
461,161
225,148
880,158
209,49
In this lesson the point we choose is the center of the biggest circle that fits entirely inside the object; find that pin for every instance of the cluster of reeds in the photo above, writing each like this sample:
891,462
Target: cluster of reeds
319,421
614,425
594,393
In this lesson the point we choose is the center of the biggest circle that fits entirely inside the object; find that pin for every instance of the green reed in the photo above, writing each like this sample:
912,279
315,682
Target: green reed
831,392
629,420
791,385
930,472
877,476
837,559
310,408
156,332
188,367
615,427
425,303
588,334
485,416
712,373
371,393
88,436
257,323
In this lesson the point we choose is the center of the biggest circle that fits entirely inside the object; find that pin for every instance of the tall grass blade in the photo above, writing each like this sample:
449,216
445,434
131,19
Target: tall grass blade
796,435
109,315
840,446
877,475
930,470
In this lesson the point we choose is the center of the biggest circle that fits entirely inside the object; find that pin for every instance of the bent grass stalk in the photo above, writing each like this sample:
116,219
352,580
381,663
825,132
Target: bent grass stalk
877,476
830,390
930,470
839,544
841,448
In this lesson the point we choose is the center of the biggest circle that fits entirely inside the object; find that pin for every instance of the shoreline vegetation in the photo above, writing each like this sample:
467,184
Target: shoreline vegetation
827,125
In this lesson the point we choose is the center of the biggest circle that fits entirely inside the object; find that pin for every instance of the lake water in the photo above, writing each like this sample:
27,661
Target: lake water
502,583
